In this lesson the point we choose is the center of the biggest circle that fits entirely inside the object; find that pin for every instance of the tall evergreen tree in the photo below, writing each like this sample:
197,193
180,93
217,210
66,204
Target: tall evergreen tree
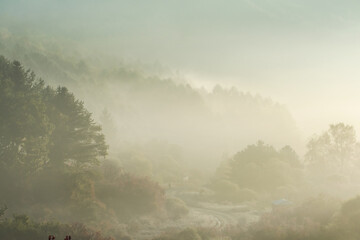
77,140
40,126
24,124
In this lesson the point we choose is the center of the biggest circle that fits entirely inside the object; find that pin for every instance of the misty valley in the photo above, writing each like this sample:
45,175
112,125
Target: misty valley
98,146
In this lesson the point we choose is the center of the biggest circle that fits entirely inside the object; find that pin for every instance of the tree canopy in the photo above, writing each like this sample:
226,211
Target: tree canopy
45,133
335,149
41,126
262,168
50,156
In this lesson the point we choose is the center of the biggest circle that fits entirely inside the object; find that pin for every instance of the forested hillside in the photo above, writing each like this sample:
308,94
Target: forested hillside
138,103
179,120
52,158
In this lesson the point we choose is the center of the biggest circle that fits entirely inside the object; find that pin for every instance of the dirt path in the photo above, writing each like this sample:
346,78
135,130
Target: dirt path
207,215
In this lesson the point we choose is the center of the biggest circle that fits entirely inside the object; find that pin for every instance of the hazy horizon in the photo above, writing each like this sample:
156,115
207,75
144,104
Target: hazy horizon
173,120
307,51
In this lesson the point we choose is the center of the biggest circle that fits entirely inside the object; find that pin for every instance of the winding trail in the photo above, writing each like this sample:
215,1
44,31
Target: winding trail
207,215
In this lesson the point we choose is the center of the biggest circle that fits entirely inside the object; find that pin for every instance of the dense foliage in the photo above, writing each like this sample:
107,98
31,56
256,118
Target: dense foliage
258,169
149,101
51,153
45,134
335,150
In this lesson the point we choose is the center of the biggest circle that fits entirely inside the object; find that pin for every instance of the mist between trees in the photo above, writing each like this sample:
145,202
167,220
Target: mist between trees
148,156
56,166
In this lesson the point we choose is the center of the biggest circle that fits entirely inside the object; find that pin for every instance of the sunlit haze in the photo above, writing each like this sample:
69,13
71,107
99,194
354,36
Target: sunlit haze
174,120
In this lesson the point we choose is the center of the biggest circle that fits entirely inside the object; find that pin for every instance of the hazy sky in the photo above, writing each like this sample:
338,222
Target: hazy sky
303,53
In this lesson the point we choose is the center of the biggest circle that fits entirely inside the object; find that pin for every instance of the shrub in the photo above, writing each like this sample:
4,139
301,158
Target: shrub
129,196
176,208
